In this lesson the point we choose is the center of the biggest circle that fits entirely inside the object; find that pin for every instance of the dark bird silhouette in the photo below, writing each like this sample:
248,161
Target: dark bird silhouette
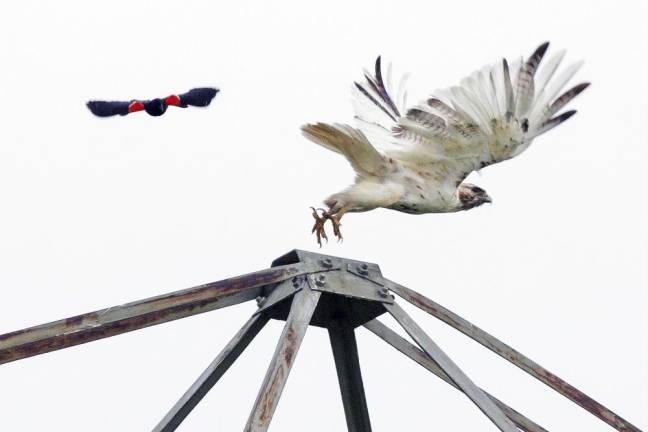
198,97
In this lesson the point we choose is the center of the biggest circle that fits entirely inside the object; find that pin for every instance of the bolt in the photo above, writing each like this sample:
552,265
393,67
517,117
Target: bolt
363,269
260,300
296,282
320,280
383,292
326,262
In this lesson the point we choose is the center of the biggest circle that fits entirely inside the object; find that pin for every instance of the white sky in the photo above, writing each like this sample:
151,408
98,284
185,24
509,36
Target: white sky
96,213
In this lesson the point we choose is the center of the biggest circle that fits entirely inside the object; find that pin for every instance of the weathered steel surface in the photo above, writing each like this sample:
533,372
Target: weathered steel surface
402,345
212,374
362,269
457,376
515,357
280,292
347,363
133,316
349,284
334,305
343,297
303,306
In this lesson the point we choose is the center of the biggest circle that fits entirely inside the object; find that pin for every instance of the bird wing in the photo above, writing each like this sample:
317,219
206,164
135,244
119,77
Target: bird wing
198,97
108,108
492,116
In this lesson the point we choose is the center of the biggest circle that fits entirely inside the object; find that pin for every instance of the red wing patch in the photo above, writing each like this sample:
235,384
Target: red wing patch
172,100
135,106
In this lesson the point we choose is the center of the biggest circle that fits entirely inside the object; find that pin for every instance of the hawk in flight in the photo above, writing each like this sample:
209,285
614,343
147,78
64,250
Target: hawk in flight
198,97
415,159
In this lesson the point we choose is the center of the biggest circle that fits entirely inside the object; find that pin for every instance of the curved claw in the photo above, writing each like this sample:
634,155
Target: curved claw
318,227
320,220
335,221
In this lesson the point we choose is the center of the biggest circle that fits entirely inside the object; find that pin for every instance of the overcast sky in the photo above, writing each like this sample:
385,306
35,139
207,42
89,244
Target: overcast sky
99,212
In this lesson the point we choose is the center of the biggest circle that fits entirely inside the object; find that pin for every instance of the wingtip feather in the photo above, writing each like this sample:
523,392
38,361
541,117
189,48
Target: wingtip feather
582,86
566,115
542,49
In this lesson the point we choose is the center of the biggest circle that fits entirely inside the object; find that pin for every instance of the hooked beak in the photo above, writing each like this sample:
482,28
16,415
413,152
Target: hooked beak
488,199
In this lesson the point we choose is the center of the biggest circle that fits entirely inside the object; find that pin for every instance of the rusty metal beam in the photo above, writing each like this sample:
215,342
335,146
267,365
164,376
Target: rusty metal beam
347,364
212,374
513,356
133,316
301,312
474,393
416,354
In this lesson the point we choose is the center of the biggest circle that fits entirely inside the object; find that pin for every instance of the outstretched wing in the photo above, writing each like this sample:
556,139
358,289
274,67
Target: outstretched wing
493,115
198,97
108,108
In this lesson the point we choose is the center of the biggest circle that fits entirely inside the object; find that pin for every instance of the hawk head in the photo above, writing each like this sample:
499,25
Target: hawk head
471,196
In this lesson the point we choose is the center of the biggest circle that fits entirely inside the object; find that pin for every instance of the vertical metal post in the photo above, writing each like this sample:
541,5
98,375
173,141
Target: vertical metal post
347,363
212,374
475,394
301,312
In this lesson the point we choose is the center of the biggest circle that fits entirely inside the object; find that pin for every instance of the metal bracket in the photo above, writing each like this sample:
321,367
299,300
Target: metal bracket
349,285
280,292
319,262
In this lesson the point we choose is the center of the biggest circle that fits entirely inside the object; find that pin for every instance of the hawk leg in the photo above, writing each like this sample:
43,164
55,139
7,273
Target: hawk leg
335,221
318,228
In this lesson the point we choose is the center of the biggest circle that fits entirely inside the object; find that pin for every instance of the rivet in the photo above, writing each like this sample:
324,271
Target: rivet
260,300
327,262
383,292
363,269
296,282
320,280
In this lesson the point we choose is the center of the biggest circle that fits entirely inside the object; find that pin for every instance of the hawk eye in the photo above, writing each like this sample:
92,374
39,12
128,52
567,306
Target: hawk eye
477,189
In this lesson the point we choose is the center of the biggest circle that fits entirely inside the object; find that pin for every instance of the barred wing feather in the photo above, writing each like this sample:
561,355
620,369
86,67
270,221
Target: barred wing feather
493,115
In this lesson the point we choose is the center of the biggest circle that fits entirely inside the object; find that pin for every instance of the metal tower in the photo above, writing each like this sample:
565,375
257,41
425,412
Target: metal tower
304,288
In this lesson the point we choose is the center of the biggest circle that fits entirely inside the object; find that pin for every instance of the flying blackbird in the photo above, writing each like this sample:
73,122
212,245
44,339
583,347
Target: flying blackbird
199,97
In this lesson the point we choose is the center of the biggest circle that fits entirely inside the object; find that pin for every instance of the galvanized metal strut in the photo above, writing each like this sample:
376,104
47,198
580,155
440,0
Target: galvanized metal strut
305,289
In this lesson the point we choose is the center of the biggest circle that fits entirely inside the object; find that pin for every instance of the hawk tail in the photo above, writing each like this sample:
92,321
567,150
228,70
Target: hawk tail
350,142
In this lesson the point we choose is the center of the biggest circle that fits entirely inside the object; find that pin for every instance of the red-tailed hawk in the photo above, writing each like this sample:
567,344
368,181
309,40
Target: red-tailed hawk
415,159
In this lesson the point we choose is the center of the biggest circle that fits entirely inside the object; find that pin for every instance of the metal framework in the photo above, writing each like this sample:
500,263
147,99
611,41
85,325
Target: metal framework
305,288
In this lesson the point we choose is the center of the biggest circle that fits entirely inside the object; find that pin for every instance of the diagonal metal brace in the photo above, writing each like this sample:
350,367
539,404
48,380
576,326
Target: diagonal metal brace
301,311
212,374
140,314
486,405
420,357
513,356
